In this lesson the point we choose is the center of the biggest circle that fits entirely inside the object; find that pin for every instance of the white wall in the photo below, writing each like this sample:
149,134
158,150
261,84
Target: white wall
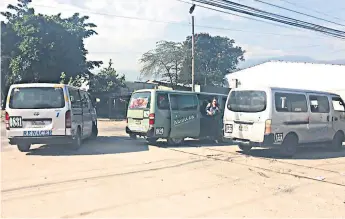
293,75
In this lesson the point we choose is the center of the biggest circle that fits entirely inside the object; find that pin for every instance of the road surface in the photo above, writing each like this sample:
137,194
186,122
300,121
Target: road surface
114,176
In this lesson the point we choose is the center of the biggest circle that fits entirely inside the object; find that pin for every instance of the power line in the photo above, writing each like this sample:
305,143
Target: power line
186,24
307,8
243,9
297,12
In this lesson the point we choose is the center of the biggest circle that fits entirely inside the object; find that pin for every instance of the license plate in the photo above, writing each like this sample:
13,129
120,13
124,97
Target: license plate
137,122
159,131
16,122
38,123
243,127
228,128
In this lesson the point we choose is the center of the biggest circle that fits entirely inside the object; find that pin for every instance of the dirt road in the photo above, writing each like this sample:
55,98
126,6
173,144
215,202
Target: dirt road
118,177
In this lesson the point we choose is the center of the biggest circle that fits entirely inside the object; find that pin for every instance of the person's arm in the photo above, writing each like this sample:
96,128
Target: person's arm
208,109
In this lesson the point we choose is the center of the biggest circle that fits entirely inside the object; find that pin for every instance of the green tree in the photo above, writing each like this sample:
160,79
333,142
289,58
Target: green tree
165,61
38,48
215,56
107,80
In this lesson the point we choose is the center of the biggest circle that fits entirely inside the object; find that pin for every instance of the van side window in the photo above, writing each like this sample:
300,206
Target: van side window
163,102
75,98
287,102
319,104
338,104
84,99
187,102
183,102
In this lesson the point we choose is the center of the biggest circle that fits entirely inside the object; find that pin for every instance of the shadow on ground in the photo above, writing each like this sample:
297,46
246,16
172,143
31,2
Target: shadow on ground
102,145
303,153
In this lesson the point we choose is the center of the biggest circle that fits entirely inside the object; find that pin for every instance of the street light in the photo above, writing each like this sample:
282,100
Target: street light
193,73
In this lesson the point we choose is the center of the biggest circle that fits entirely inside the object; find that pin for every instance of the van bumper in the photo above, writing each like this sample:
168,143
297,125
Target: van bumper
41,140
267,143
149,133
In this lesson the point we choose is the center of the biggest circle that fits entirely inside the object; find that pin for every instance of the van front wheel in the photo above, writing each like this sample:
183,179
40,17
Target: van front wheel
24,147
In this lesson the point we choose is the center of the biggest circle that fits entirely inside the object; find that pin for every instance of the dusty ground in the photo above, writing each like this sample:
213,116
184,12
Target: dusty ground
117,177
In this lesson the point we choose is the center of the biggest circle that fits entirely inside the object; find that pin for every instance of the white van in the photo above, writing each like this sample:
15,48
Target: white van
40,113
268,117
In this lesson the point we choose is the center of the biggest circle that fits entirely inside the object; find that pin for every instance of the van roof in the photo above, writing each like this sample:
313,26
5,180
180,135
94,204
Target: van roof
179,92
43,85
287,89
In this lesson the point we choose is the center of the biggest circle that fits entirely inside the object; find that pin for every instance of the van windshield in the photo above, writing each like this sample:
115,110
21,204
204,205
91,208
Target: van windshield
140,100
247,101
37,98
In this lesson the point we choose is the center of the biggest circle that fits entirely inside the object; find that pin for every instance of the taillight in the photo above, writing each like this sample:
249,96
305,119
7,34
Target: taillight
68,121
152,119
7,120
268,126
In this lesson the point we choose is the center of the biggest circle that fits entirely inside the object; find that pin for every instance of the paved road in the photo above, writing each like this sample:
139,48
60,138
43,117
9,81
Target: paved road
118,177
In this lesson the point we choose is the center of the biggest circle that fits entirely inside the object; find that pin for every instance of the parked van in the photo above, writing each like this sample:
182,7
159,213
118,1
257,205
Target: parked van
40,113
171,115
269,117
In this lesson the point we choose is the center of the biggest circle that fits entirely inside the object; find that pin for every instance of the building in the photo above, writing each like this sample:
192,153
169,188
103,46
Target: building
323,77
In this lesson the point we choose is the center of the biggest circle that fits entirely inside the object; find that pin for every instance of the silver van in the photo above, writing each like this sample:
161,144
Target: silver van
172,115
270,117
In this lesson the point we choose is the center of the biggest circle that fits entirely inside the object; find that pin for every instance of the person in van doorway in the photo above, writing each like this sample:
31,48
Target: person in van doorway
212,111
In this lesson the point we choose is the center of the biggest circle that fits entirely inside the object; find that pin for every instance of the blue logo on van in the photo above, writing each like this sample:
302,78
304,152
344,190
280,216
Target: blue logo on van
57,114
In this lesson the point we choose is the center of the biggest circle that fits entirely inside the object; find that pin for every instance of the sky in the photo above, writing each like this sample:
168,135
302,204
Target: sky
128,28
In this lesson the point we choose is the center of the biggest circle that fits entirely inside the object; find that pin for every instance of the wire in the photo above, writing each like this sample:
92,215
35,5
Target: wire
273,17
186,24
297,12
318,12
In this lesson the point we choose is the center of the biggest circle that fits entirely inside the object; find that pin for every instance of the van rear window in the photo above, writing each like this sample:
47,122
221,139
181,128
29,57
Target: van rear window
37,98
247,101
140,100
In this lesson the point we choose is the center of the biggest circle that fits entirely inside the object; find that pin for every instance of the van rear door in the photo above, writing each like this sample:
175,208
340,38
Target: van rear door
248,114
139,111
36,111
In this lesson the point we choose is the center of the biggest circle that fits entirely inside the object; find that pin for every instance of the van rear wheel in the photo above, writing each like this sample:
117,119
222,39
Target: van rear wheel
245,148
24,147
337,142
289,145
77,141
175,141
94,133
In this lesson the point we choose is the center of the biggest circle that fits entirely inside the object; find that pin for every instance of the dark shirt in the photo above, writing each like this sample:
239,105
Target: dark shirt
213,110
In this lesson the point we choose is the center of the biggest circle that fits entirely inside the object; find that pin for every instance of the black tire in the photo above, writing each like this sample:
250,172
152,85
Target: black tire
24,147
175,141
77,141
133,136
289,145
151,140
245,148
94,133
337,142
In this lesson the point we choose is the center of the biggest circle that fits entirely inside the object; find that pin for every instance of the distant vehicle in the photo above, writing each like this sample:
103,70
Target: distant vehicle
172,115
42,113
285,118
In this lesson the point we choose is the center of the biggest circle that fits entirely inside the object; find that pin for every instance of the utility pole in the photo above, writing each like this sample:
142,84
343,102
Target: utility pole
193,67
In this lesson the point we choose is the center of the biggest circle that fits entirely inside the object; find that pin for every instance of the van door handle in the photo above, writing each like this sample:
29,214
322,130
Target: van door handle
328,118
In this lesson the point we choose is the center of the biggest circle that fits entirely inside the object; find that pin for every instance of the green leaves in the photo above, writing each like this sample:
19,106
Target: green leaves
38,48
215,56
108,80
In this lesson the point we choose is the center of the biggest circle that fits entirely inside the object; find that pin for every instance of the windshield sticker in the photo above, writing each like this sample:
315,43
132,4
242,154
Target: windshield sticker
38,133
146,114
183,120
139,103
